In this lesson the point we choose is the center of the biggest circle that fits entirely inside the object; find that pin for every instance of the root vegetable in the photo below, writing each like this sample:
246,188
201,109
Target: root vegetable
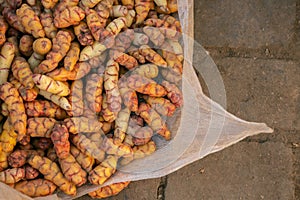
51,172
36,188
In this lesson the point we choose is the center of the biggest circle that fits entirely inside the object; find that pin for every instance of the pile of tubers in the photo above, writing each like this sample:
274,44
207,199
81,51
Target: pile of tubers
84,87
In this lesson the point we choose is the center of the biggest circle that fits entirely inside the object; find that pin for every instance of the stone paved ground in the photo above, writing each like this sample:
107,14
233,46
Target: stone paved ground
256,46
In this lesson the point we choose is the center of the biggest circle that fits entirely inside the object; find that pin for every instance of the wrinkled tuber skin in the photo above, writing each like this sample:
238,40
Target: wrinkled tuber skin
83,34
84,160
103,171
171,20
88,147
60,139
121,124
161,105
69,16
17,158
155,35
47,22
87,112
114,147
124,59
116,25
94,24
118,11
58,100
162,5
40,126
145,85
93,92
3,29
13,19
42,46
72,56
89,3
128,95
61,6
30,172
36,188
134,52
142,136
72,170
109,190
49,4
140,39
42,143
51,172
135,122
146,70
91,51
171,5
82,125
22,72
76,99
13,175
60,47
144,150
103,8
8,140
98,62
152,56
41,108
142,8
30,21
174,93
123,40
171,58
61,74
154,121
177,49
6,58
10,95
171,75
25,45
46,83
113,96
96,137
106,112
128,3
26,94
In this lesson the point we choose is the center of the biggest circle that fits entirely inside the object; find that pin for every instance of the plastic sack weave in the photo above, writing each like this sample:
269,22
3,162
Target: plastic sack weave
204,126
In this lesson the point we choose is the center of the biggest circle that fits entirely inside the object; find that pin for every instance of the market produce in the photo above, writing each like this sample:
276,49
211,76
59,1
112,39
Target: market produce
60,139
6,58
84,160
43,108
36,188
10,95
86,86
110,190
51,172
72,170
12,175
